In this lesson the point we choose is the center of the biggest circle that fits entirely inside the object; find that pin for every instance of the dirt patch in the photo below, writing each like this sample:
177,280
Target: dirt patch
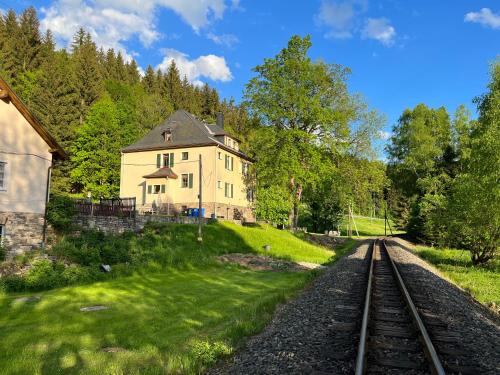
324,240
265,263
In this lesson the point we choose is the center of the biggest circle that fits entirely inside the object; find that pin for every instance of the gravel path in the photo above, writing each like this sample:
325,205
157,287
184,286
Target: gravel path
317,332
476,347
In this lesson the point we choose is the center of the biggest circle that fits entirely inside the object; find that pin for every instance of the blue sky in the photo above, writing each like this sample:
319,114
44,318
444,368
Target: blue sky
401,52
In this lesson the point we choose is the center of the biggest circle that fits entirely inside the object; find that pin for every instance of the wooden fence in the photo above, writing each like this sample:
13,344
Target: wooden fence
123,207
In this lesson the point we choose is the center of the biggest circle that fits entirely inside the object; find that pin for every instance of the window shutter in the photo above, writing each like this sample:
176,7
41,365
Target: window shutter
162,188
190,180
232,190
225,189
150,189
232,162
171,159
158,160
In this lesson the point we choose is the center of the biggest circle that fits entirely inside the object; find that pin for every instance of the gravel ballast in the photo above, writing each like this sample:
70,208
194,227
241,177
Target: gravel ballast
476,347
315,333
318,332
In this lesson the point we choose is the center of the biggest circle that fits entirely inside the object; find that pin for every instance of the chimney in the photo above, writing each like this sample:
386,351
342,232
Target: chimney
220,119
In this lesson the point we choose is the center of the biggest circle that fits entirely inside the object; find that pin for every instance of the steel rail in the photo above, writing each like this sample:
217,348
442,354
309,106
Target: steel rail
360,359
436,366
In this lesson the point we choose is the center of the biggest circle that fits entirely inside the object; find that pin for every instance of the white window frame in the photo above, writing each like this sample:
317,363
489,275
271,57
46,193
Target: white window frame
187,180
3,187
219,184
186,153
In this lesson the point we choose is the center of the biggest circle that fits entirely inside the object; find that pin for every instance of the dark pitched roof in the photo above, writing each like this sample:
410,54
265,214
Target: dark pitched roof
7,94
164,172
187,131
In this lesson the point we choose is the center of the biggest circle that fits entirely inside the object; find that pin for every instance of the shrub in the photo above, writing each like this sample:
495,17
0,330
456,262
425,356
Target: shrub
3,253
13,283
60,212
43,275
208,353
77,275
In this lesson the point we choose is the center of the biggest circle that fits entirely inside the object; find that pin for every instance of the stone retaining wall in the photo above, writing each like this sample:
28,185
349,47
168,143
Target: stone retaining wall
22,231
115,225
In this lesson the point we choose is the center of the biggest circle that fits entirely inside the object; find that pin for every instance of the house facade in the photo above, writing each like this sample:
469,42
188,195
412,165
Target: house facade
26,153
162,170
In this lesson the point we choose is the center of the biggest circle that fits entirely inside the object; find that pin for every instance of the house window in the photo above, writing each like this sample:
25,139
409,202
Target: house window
229,161
187,180
244,168
250,195
228,191
185,156
219,155
3,180
167,135
156,189
219,184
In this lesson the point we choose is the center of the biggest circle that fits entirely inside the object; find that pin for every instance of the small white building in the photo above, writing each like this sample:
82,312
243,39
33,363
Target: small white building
26,154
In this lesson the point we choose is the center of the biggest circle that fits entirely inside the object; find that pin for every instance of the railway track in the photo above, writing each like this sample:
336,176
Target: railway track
393,338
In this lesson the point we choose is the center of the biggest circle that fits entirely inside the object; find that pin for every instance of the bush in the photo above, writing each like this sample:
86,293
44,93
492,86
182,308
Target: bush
77,275
43,275
3,253
13,283
60,212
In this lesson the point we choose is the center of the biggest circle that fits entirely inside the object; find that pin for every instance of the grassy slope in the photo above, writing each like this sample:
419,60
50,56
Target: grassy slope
482,282
369,227
174,320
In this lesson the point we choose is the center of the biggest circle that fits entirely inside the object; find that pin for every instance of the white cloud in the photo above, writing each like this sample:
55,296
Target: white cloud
384,135
484,17
208,66
113,22
379,29
340,17
227,40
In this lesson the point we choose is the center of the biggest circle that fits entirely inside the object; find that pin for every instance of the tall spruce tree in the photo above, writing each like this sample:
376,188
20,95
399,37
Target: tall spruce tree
89,81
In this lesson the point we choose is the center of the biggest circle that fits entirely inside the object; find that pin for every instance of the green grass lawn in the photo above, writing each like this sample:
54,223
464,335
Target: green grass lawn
369,227
283,243
177,319
483,282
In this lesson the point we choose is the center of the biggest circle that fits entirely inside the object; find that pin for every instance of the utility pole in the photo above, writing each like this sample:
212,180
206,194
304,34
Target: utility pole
200,238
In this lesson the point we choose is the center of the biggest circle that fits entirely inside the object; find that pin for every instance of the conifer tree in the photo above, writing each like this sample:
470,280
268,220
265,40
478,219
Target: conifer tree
132,70
29,44
172,86
88,74
9,56
149,81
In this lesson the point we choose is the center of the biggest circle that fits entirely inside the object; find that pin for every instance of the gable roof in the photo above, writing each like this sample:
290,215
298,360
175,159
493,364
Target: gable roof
8,95
187,131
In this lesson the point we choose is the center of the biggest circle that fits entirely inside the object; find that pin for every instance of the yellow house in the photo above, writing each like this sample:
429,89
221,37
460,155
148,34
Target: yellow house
161,170
26,153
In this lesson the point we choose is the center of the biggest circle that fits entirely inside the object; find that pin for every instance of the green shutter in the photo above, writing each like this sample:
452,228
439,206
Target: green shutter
158,160
232,190
149,189
162,188
190,180
171,159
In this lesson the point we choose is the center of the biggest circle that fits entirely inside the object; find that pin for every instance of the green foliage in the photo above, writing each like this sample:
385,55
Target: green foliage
309,121
60,212
3,253
96,150
273,204
208,353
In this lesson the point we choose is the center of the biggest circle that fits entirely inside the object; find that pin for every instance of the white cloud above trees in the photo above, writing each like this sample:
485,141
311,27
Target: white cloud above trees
114,22
379,29
485,17
207,66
